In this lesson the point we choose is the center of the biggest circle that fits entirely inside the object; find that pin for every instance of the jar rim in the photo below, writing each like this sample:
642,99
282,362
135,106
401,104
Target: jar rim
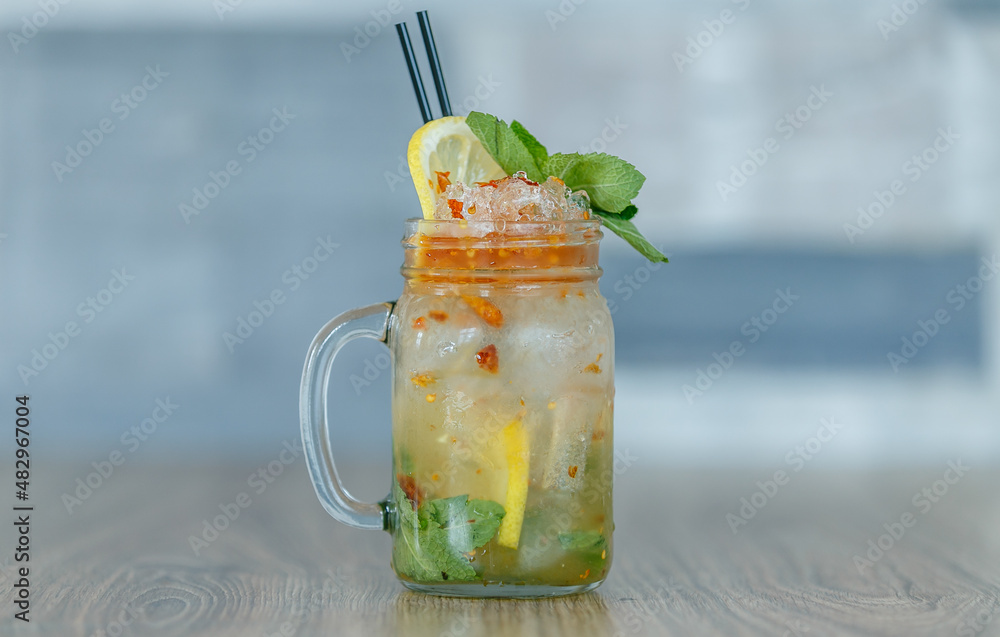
554,247
572,231
591,220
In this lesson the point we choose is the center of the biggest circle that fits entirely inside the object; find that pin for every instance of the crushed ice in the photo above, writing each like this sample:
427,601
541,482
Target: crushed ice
514,198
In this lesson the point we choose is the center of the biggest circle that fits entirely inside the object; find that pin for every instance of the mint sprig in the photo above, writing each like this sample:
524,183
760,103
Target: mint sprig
610,182
433,539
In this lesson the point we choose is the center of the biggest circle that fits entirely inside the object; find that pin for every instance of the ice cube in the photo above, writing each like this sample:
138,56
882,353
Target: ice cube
562,333
573,420
456,404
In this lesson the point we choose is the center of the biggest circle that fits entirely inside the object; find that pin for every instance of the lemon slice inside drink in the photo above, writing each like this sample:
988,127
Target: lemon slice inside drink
515,443
446,151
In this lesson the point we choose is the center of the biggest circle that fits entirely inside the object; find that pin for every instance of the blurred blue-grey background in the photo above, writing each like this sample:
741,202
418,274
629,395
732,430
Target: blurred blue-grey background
843,155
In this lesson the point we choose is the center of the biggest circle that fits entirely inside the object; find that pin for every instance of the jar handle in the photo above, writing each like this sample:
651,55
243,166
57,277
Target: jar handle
372,321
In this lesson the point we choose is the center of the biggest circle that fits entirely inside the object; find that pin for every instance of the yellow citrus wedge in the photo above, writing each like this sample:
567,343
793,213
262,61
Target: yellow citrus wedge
447,147
515,442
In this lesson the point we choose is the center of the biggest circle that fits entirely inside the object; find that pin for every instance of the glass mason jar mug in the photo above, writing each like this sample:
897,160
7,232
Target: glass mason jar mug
502,403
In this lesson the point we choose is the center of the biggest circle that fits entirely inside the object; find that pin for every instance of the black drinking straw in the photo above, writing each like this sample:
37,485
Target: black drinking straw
432,55
411,63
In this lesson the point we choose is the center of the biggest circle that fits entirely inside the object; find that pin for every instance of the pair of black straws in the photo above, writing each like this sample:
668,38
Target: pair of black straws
432,56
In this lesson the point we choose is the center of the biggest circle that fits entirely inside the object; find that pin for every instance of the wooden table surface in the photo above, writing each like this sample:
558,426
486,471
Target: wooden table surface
122,564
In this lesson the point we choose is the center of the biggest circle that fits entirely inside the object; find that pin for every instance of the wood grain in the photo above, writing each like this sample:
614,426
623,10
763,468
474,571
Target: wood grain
284,565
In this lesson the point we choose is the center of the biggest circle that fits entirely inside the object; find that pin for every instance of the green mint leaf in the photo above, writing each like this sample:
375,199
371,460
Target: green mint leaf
404,461
629,212
450,562
611,182
559,164
590,545
583,541
406,517
504,145
625,229
444,511
431,543
407,556
484,127
469,524
535,147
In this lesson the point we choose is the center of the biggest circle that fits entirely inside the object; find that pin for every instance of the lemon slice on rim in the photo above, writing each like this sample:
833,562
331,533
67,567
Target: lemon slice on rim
445,151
